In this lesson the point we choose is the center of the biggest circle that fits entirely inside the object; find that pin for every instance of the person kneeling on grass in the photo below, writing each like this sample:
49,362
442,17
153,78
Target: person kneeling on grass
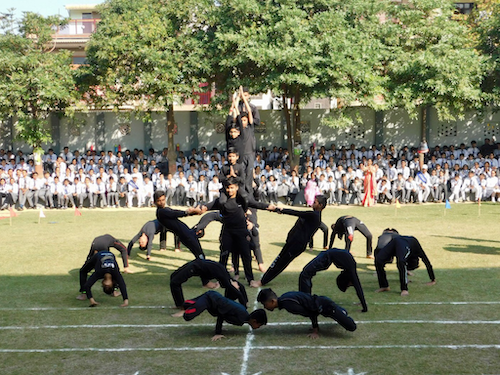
106,268
225,310
300,303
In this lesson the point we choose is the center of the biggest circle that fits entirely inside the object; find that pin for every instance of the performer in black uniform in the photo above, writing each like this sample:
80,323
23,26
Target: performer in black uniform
106,268
387,235
307,305
235,236
297,239
225,310
207,270
348,277
407,251
169,218
204,221
104,242
146,236
324,229
345,226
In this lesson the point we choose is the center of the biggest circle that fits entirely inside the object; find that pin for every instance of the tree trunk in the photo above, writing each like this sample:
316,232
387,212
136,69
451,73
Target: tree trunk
37,160
296,126
286,113
172,152
423,135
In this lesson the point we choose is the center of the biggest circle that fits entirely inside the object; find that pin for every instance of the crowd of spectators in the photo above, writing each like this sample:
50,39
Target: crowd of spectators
130,178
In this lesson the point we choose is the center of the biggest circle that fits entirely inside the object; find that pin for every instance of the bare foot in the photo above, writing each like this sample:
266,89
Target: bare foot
255,284
409,273
433,282
262,268
127,270
117,293
82,297
211,285
177,250
163,249
404,293
370,257
382,290
178,314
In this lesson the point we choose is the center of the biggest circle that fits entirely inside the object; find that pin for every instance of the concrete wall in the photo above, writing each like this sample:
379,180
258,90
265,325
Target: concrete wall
105,130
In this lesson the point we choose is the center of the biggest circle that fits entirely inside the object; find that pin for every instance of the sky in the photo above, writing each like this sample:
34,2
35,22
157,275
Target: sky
44,7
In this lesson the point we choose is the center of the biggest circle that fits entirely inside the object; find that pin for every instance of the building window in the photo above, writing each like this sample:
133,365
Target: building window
492,130
79,60
447,130
464,8
87,16
317,105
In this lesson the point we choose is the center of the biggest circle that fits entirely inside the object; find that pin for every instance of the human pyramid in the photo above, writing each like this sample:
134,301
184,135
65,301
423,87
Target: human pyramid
236,209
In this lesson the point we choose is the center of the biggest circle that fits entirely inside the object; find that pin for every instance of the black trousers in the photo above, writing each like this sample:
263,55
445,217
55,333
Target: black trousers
290,251
330,309
324,228
236,241
364,231
320,263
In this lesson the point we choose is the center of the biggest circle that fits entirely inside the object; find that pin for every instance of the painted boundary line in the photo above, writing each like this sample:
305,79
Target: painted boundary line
187,325
248,344
260,347
168,307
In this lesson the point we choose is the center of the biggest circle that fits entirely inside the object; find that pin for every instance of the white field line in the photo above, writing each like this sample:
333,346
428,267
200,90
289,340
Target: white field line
261,347
248,345
168,307
186,325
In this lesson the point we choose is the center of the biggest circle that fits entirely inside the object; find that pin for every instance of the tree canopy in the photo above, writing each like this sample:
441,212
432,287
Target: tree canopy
33,82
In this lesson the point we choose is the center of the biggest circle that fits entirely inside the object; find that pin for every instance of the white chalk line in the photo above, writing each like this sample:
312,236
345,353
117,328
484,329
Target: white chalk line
168,307
188,325
248,344
259,347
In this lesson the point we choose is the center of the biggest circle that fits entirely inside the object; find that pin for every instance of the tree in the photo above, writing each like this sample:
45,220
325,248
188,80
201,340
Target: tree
144,54
429,61
485,27
34,80
298,48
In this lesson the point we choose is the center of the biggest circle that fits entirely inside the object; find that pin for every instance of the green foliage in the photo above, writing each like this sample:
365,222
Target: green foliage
143,54
485,22
33,82
428,60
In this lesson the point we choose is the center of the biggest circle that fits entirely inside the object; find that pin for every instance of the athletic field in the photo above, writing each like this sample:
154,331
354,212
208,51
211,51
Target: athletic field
450,328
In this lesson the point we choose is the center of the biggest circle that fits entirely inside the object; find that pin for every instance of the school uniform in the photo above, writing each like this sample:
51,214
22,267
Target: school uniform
223,308
102,262
407,251
169,218
311,306
345,226
206,270
342,260
296,242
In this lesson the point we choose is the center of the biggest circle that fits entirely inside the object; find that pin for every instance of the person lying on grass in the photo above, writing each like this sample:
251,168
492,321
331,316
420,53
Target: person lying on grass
106,268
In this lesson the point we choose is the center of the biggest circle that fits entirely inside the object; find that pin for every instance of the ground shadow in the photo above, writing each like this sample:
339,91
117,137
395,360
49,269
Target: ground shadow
465,238
473,249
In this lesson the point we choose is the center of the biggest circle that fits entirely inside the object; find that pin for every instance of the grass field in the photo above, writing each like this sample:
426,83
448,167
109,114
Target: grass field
449,328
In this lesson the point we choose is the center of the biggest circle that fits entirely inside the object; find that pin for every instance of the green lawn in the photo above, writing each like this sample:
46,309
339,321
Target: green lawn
45,330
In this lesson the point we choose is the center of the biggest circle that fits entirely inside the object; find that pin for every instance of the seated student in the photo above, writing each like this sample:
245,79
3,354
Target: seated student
311,306
106,268
345,226
206,270
225,310
407,251
348,277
